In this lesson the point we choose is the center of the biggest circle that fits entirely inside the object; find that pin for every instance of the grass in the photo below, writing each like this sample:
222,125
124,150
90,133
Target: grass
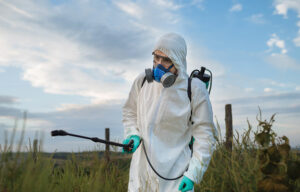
239,170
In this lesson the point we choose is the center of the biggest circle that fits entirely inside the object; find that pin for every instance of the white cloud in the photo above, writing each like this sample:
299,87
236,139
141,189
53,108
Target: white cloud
60,68
17,10
130,7
64,50
257,18
249,89
267,90
297,39
71,106
236,8
282,61
82,54
275,41
283,6
197,57
281,9
38,125
271,82
198,4
68,106
169,4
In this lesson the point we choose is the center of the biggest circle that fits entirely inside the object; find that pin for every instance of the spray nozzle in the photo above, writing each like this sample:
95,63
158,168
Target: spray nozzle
59,133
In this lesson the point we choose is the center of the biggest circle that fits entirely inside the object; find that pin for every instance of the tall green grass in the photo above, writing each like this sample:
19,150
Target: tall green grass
37,172
238,170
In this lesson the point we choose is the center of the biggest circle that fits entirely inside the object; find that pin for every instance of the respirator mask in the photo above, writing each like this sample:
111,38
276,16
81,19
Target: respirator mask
160,73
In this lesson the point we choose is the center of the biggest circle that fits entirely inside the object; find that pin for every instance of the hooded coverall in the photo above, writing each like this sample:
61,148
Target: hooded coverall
160,116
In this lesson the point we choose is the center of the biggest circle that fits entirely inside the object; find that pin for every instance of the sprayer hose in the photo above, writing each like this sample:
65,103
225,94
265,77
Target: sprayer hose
169,179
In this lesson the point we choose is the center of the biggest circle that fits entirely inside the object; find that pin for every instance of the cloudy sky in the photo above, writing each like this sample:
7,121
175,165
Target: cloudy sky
70,64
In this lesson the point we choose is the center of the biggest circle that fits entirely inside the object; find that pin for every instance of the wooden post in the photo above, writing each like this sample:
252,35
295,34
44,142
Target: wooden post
228,121
107,145
35,149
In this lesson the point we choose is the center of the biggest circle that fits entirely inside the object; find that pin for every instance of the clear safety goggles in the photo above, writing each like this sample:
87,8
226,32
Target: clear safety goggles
165,60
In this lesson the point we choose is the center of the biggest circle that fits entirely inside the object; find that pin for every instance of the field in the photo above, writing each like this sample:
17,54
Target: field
266,163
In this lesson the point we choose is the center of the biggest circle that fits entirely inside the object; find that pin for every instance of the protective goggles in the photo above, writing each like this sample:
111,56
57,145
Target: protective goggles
165,60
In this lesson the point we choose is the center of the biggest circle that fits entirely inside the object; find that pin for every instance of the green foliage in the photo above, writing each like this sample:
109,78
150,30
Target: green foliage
254,165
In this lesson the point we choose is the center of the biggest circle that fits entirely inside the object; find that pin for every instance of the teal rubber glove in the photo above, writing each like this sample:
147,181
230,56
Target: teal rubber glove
136,142
186,184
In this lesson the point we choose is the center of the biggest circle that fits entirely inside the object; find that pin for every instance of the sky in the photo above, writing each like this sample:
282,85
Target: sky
70,64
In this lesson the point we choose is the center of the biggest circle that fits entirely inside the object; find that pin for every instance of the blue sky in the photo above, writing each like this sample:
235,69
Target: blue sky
70,64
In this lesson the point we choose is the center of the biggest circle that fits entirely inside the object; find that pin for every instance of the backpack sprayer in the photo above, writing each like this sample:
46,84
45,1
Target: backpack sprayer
207,79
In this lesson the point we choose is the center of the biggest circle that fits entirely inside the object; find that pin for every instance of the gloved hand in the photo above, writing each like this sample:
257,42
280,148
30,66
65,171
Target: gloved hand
186,184
136,142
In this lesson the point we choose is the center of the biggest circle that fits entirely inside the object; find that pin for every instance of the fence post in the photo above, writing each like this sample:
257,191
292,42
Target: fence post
35,149
228,121
107,145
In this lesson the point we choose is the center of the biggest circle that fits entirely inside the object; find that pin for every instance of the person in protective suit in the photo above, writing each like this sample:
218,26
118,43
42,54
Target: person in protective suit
164,120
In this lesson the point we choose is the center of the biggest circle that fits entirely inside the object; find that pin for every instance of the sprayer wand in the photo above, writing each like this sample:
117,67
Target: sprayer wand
128,146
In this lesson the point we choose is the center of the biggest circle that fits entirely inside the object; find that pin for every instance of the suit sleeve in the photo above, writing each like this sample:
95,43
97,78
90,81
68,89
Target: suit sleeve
203,130
130,108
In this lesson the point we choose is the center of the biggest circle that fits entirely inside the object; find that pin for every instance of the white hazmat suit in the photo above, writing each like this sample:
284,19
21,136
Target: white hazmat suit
160,116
